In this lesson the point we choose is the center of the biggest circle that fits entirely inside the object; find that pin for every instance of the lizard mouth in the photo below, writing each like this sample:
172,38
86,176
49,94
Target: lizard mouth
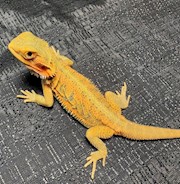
41,71
38,75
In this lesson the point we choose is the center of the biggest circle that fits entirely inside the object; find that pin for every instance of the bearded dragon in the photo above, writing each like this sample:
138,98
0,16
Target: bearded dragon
101,114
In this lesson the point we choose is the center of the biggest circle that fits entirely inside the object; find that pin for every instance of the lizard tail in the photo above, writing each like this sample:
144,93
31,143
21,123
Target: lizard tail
137,131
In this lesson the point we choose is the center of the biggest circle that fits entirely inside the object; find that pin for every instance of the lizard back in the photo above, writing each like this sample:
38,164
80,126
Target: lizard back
82,99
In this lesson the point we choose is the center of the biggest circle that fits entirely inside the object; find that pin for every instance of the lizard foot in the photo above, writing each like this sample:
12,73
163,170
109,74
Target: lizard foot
123,100
28,96
93,158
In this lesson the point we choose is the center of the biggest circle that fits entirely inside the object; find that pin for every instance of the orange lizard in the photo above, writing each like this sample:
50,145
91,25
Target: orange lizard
101,114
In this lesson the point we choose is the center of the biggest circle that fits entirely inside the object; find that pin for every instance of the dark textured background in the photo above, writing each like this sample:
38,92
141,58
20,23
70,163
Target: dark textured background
111,41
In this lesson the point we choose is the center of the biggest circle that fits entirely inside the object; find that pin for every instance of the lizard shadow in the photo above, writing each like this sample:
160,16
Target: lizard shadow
32,82
60,9
12,69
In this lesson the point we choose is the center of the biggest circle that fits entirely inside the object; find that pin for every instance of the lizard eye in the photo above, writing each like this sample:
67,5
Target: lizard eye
29,55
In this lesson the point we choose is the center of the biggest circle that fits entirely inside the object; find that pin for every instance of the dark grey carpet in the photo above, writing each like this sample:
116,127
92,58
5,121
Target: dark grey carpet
111,41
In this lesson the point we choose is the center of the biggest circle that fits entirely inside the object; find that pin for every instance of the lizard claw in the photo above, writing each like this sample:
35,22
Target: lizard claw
124,101
93,158
28,96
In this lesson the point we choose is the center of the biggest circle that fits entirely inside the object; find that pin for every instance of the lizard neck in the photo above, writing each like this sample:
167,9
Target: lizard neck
59,68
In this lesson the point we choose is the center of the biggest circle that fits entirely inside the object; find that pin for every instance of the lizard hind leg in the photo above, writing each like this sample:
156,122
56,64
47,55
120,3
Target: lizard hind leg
94,135
118,100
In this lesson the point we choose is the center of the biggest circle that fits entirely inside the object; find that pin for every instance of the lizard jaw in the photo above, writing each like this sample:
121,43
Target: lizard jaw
36,74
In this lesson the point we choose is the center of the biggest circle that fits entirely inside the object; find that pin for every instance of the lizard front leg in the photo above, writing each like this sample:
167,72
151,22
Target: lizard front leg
46,99
94,134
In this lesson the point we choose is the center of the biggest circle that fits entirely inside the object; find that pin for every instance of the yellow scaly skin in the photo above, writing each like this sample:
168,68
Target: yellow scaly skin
101,114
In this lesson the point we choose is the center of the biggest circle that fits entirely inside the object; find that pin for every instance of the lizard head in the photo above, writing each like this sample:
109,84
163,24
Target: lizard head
35,53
